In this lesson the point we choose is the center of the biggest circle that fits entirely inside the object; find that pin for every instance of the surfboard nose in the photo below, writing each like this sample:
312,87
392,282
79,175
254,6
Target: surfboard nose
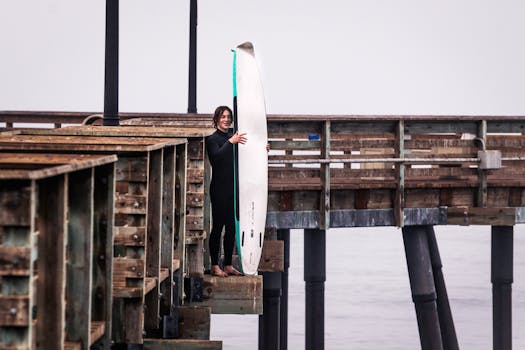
247,46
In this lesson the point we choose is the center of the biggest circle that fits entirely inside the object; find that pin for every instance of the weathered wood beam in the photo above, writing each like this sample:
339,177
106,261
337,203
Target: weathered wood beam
482,174
233,295
79,256
385,217
182,344
272,256
194,322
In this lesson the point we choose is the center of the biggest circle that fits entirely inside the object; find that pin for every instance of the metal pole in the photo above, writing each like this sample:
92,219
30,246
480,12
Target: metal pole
446,322
501,278
314,276
284,235
192,76
422,286
111,117
269,320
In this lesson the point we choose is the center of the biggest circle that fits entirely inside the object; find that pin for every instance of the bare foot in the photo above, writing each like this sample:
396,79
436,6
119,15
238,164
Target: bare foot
216,271
230,270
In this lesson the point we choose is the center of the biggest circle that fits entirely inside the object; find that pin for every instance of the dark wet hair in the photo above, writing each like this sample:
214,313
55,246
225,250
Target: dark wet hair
218,112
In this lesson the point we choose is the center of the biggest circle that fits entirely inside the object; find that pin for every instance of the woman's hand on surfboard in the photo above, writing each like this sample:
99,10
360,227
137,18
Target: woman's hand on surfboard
238,137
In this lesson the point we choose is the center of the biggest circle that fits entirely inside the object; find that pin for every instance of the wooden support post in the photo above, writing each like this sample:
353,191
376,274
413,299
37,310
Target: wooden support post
399,204
51,265
446,322
206,207
422,286
153,241
180,217
324,209
194,322
315,277
167,234
502,278
482,174
102,298
79,257
269,321
17,236
284,235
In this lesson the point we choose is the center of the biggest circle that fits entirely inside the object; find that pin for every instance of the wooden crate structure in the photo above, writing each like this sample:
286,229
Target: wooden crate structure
149,222
198,177
56,222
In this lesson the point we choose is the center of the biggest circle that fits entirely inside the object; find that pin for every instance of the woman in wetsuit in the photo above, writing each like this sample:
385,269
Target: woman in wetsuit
220,152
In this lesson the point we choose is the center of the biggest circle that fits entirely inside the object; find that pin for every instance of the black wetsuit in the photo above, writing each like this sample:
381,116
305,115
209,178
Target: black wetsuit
220,152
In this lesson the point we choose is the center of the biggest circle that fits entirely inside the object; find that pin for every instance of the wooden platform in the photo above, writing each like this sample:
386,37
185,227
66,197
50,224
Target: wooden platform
232,295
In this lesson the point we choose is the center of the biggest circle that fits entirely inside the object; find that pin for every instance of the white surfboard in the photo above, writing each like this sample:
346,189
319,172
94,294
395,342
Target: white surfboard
251,159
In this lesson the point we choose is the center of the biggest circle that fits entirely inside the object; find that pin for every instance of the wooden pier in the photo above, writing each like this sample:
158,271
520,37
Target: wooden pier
412,172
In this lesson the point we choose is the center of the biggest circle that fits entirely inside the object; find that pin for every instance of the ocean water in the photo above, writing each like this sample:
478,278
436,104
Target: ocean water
368,302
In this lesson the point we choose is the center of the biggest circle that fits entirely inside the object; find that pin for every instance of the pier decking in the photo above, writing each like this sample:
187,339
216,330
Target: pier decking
324,172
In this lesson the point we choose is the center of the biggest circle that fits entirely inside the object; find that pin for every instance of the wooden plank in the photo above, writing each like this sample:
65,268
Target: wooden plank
130,236
497,197
52,237
15,203
194,322
15,261
437,124
195,199
73,165
195,176
421,198
121,131
194,222
358,144
103,217
132,169
232,288
481,216
342,199
150,283
180,216
482,195
130,204
455,197
195,259
153,240
14,311
37,160
69,345
79,253
516,197
53,136
182,344
98,330
196,148
125,269
176,264
272,259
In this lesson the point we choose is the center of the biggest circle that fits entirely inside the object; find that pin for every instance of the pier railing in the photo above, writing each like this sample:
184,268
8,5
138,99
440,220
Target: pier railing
347,170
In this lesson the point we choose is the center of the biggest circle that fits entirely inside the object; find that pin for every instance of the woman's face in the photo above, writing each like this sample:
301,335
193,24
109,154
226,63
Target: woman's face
225,121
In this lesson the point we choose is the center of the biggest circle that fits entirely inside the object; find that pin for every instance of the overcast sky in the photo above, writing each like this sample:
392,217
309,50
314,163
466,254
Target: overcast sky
316,57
